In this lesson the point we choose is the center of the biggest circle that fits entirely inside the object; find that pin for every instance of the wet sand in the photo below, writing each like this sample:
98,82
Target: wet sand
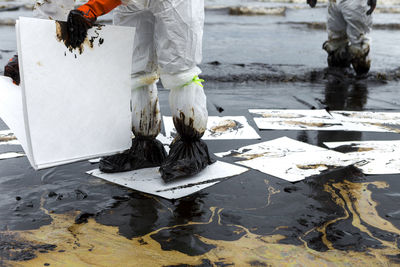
64,217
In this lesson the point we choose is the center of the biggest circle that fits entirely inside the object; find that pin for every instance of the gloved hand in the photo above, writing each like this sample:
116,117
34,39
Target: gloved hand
312,3
372,4
78,24
83,18
12,70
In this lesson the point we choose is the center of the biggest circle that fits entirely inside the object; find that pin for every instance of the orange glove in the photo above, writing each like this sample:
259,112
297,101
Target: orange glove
96,8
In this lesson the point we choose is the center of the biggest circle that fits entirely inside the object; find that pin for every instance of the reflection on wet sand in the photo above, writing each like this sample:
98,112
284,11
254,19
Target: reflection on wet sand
94,244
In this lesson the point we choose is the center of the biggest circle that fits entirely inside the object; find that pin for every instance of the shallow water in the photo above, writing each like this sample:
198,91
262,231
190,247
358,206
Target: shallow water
64,217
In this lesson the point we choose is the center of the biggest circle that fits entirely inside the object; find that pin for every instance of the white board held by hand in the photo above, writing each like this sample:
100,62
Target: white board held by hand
75,102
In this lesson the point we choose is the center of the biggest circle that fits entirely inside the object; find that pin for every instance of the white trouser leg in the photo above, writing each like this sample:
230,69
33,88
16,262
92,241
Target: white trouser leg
146,117
336,27
178,33
144,59
358,25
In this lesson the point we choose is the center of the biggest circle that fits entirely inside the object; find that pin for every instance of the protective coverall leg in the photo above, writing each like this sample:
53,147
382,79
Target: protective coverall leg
179,35
146,151
348,28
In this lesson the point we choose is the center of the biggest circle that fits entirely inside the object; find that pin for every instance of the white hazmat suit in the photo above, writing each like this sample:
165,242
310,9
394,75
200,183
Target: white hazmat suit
348,28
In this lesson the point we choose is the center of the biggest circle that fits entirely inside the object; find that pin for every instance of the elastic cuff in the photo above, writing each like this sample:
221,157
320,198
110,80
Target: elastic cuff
87,12
144,80
178,80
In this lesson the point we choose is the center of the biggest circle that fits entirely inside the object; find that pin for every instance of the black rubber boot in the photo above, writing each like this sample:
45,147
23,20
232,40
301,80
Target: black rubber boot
186,158
188,154
361,65
339,58
144,153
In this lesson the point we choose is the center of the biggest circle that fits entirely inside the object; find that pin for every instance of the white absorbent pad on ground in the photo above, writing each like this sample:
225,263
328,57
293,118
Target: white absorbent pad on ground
369,121
11,155
287,119
321,120
149,180
289,159
373,157
71,105
219,128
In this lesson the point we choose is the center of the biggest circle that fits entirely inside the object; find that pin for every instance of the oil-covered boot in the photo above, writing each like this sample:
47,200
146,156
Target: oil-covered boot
360,59
146,151
188,155
338,56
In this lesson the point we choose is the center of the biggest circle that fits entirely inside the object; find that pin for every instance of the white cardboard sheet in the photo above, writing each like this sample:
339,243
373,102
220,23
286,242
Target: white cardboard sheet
289,159
369,121
219,128
373,157
11,155
11,110
70,106
321,120
149,180
275,119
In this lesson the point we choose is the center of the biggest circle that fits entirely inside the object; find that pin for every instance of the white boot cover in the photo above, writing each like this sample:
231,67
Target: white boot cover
187,101
189,154
146,116
360,58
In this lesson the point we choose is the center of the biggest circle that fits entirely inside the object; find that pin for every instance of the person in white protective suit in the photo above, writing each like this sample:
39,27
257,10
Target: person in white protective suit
348,26
168,45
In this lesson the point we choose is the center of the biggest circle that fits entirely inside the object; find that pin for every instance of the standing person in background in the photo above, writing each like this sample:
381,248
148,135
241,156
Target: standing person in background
168,45
348,26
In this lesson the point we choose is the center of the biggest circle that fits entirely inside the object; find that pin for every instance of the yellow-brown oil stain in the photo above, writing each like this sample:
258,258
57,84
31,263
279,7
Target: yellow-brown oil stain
248,156
6,138
93,244
223,126
312,166
271,191
309,124
386,127
364,149
150,79
356,201
282,116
